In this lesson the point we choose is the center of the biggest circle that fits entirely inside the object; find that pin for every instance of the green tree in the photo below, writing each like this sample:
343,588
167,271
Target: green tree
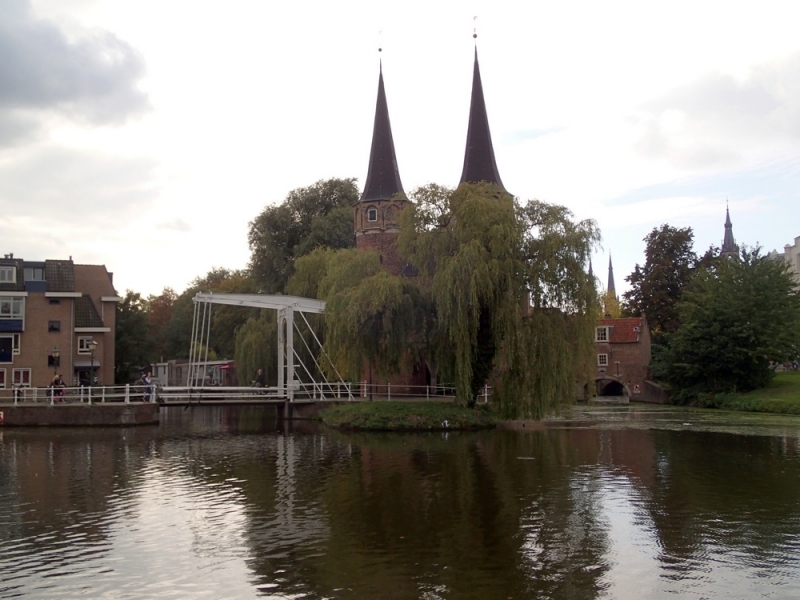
310,217
134,344
656,288
502,289
225,319
736,317
159,311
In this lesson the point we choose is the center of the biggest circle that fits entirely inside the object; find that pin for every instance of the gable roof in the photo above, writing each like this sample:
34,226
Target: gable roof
60,275
86,314
622,330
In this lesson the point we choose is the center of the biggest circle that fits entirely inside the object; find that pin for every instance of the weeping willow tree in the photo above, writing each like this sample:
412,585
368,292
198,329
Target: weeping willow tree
257,348
371,317
501,296
513,303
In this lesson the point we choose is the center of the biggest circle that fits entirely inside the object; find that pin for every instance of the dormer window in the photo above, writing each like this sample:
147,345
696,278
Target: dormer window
8,274
372,214
601,334
34,274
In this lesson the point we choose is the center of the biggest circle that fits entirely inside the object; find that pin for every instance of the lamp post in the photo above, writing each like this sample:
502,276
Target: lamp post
56,354
92,345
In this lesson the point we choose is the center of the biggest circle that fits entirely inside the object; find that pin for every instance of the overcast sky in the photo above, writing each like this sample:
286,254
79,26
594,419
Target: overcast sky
146,135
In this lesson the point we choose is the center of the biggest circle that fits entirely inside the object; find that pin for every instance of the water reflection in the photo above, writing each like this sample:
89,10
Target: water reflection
226,503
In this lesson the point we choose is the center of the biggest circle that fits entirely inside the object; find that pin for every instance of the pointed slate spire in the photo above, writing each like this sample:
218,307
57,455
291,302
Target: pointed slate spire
591,272
729,247
611,289
479,162
383,176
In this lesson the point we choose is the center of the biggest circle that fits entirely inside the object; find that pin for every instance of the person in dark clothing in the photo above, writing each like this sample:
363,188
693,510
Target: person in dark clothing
259,381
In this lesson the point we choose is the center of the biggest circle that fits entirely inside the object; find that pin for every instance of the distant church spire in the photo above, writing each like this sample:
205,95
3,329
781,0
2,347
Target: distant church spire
591,273
729,247
479,162
383,176
611,290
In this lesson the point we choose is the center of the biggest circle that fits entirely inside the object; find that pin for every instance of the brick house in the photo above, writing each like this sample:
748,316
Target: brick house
622,349
51,314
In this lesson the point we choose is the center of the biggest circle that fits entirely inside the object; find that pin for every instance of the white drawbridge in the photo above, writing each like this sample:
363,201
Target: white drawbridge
290,383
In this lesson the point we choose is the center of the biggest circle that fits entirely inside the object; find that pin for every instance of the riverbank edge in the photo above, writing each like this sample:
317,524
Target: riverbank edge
79,415
780,397
407,416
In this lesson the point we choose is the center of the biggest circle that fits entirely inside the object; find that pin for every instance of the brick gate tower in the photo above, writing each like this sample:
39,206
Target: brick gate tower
375,215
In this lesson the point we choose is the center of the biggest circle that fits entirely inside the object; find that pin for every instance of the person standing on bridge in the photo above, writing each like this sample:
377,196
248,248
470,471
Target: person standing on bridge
259,381
148,386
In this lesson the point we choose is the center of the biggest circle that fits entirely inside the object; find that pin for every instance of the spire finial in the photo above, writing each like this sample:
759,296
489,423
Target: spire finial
380,41
475,27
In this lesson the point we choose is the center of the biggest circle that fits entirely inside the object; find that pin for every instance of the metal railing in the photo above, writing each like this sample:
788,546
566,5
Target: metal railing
97,394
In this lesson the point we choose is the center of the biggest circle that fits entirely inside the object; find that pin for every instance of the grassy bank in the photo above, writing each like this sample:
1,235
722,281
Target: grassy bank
781,396
406,416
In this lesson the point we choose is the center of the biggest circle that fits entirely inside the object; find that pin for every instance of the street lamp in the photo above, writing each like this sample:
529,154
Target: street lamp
92,345
56,354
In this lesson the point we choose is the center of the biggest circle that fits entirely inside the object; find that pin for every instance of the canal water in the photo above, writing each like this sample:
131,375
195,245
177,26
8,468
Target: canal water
606,502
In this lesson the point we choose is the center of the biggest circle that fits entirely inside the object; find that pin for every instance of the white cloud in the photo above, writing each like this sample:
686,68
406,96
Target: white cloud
718,119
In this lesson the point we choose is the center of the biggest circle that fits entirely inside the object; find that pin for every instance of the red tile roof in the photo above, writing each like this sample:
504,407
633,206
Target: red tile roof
622,330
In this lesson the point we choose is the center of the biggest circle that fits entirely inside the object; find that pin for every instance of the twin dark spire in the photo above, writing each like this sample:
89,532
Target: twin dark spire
383,176
479,162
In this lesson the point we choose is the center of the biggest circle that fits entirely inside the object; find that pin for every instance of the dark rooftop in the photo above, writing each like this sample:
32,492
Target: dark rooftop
479,162
383,176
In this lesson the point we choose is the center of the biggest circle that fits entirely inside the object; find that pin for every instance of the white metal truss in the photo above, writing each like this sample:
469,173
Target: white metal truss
288,358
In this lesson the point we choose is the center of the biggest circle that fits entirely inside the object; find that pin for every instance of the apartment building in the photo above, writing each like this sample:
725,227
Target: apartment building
55,317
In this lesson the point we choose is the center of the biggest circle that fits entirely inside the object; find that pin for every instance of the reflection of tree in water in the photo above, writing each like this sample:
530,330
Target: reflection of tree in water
717,493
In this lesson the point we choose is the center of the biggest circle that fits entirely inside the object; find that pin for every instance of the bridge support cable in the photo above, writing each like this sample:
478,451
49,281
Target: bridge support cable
322,349
288,358
191,345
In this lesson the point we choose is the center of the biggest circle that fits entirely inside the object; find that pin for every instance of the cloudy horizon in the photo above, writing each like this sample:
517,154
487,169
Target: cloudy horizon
145,136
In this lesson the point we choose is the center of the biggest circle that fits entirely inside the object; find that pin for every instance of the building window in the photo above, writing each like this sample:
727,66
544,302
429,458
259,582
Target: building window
55,301
8,274
21,377
83,344
602,360
16,342
12,307
2,378
34,274
601,334
372,214
54,326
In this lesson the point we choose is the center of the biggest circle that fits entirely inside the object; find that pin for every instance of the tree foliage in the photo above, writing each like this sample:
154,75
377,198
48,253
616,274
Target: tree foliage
656,287
736,317
309,217
159,310
225,320
134,345
502,289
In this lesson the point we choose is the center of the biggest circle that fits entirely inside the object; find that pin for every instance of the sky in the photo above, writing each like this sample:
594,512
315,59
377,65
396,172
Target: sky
147,135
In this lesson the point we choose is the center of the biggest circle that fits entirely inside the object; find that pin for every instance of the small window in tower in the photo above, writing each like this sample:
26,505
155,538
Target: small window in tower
54,326
372,214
